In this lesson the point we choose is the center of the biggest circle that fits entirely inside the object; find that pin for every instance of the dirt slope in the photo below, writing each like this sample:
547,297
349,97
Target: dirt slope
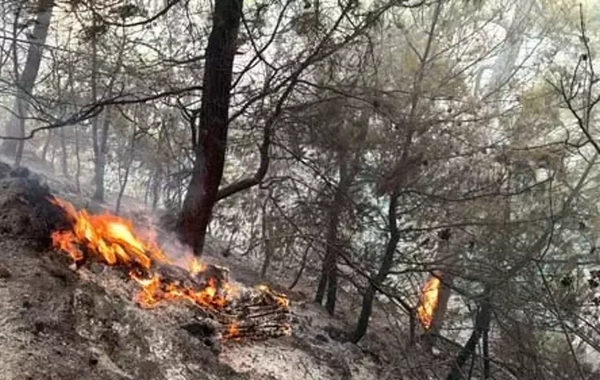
53,325
58,323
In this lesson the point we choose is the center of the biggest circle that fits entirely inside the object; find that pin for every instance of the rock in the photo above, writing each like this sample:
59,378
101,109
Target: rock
321,338
93,360
38,327
4,272
96,267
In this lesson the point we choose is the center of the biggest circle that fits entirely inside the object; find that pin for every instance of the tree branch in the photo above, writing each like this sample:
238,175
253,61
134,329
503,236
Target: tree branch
92,110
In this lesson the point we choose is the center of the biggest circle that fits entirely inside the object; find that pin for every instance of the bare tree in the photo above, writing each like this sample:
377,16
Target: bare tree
25,81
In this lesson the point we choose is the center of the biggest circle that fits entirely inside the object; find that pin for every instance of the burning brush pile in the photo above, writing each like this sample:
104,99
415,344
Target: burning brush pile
239,312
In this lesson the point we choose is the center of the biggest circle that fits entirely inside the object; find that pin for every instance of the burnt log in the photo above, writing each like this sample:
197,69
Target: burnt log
181,277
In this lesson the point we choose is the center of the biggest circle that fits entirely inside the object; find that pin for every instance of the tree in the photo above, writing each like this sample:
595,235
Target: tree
25,81
213,119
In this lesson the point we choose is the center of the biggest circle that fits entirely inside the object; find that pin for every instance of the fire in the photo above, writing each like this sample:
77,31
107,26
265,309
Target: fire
233,331
196,266
115,241
429,301
109,236
279,298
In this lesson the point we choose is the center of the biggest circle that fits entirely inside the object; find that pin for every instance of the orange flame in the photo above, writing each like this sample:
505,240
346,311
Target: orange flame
196,266
109,236
233,331
115,241
282,300
429,301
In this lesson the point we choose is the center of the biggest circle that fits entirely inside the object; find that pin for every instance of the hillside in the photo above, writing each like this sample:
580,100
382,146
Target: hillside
61,323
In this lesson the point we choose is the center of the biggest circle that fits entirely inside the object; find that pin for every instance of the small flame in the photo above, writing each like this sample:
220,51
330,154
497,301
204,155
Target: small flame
281,299
197,267
233,331
429,301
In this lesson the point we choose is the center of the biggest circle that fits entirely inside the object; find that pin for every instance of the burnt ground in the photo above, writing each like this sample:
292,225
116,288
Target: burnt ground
58,323
54,325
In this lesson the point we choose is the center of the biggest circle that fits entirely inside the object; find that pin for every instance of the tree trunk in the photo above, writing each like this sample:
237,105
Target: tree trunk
504,66
155,182
52,155
328,279
486,354
47,145
77,160
76,129
64,158
26,81
213,125
302,267
439,315
95,119
267,236
349,167
129,162
100,136
332,284
384,269
482,323
100,157
156,186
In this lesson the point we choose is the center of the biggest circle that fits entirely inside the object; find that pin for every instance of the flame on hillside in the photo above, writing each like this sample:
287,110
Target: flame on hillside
114,241
429,301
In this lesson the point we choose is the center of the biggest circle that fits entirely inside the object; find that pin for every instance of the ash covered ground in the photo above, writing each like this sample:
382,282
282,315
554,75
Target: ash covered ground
58,323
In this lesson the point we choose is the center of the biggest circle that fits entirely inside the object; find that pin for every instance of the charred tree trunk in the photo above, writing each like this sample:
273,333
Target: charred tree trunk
213,124
486,354
267,235
26,81
384,269
328,279
349,165
482,323
302,267
332,284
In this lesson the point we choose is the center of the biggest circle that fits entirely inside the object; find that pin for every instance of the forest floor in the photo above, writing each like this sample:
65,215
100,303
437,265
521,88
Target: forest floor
57,323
